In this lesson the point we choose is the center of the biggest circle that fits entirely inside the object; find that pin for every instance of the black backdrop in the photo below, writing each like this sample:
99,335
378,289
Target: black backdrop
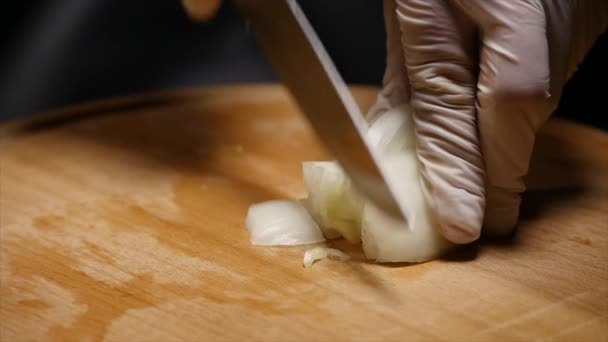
60,52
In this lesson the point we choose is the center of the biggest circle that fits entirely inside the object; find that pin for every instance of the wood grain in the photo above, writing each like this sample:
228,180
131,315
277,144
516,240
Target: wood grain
128,225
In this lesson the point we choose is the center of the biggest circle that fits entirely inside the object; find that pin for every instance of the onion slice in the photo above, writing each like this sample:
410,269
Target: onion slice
332,200
282,223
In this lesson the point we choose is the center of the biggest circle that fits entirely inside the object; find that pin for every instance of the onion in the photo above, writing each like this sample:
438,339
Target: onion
319,252
334,208
385,238
282,223
332,200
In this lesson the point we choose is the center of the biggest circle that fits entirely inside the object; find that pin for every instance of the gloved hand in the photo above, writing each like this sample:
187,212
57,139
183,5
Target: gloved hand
482,76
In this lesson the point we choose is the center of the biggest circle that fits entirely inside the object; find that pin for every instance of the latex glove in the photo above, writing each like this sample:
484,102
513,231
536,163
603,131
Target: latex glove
201,10
482,76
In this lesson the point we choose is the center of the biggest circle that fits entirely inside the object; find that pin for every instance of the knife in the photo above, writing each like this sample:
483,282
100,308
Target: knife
304,67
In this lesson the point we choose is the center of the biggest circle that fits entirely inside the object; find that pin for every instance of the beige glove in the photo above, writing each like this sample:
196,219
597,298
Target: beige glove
483,76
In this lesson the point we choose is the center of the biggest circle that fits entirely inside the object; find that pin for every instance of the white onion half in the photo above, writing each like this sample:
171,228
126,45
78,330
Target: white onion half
385,238
282,223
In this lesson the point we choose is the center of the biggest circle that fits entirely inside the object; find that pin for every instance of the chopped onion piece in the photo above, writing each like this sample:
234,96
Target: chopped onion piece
327,232
332,200
319,252
282,223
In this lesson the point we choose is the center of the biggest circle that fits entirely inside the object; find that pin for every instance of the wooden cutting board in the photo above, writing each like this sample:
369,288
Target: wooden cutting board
127,225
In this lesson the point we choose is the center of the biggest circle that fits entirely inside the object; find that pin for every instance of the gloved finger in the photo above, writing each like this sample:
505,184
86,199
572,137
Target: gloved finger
201,10
439,47
395,89
513,99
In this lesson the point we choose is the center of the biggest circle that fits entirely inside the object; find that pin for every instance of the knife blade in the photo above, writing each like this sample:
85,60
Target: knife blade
305,68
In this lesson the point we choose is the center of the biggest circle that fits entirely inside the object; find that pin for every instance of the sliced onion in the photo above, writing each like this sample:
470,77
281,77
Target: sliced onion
327,232
340,210
282,223
332,200
319,252
393,132
386,239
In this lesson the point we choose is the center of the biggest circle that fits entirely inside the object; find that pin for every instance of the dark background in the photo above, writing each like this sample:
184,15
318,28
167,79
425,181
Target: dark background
56,53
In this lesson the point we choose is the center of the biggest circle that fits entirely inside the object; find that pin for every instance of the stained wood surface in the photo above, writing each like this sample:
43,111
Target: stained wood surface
127,225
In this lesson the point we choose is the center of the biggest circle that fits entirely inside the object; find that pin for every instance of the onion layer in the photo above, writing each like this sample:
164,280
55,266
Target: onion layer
386,239
282,223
